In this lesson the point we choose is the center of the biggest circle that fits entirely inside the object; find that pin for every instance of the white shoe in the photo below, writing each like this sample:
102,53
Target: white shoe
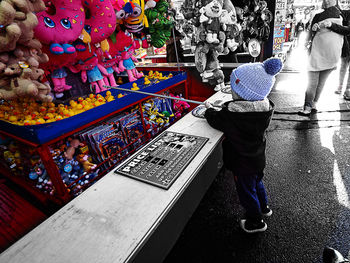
306,111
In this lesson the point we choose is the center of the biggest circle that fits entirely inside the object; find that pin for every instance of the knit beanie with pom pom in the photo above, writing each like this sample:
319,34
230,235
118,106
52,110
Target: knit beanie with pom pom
254,81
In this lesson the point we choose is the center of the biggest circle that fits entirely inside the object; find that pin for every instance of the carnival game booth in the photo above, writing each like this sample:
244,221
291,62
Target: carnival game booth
78,112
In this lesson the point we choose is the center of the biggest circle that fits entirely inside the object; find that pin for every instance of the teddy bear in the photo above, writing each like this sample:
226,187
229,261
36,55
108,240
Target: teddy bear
210,19
10,31
43,88
18,20
17,85
32,56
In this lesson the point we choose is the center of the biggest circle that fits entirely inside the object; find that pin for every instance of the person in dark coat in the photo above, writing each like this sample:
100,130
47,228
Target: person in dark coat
344,30
244,121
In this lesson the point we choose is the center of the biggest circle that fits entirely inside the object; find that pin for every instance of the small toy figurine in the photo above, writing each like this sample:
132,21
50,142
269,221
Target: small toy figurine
120,81
134,86
147,82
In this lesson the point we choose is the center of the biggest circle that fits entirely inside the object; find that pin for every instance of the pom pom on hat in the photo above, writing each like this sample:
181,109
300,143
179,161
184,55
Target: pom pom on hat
273,66
254,81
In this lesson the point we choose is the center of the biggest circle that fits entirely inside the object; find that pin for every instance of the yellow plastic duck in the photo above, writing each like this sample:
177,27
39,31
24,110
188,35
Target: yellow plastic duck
156,75
120,81
40,121
151,74
147,82
120,95
134,86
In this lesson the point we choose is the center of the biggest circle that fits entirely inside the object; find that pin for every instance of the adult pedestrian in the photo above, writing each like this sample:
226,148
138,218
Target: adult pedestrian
326,47
345,56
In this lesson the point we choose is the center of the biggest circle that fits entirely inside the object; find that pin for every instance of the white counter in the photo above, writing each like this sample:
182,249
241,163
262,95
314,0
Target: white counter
120,219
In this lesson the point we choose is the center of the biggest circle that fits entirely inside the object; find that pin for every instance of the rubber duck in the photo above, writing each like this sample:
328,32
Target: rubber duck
12,118
40,121
58,118
150,74
49,116
147,82
134,86
170,75
120,81
120,95
110,98
161,77
156,75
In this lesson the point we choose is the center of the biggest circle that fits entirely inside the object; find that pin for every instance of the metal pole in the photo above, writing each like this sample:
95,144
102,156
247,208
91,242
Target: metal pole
177,55
155,95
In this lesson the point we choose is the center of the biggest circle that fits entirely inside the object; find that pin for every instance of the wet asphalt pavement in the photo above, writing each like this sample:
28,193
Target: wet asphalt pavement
308,183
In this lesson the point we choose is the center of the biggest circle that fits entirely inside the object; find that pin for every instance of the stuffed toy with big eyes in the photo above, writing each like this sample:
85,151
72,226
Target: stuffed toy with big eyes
210,19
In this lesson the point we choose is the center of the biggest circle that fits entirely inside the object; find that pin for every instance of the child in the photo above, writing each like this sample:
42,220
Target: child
244,122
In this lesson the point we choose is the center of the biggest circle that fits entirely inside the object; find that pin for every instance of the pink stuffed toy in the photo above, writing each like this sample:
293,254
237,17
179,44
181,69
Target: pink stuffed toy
101,23
59,26
126,46
109,63
179,106
92,71
98,27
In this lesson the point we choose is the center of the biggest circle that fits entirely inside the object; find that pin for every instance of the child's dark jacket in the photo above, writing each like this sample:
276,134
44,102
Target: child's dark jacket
245,140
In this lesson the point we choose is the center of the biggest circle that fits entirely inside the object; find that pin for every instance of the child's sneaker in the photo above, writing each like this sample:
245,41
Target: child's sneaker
266,211
253,226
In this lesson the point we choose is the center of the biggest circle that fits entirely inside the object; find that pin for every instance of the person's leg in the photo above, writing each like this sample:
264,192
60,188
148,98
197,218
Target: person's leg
261,192
347,89
344,64
313,78
247,194
323,76
246,186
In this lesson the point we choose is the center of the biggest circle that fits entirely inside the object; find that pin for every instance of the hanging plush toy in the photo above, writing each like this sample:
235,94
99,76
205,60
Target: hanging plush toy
210,20
110,64
210,44
91,71
135,21
160,23
100,24
59,26
126,46
231,28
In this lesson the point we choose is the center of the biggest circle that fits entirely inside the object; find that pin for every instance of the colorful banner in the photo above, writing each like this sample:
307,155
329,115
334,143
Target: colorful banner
278,38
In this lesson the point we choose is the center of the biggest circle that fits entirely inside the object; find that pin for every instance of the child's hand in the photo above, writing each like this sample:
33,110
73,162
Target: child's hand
208,105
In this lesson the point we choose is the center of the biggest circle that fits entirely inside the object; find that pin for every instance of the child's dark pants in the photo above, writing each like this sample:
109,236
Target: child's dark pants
251,193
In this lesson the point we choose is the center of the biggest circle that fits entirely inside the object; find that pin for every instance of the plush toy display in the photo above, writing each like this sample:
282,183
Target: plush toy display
160,23
19,62
91,71
126,46
110,64
59,26
210,20
99,25
101,22
136,22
